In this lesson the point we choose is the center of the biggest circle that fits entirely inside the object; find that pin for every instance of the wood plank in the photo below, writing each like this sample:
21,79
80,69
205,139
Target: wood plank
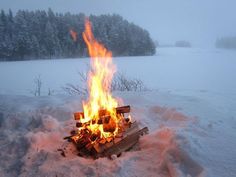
125,144
133,128
123,109
119,145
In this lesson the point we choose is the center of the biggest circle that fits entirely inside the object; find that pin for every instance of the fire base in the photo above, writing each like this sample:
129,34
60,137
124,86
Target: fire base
89,146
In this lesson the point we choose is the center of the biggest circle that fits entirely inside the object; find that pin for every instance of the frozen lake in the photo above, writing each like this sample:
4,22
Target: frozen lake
171,69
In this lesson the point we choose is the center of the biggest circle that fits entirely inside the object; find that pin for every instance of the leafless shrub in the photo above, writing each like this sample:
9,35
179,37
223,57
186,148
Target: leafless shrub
123,83
120,83
76,89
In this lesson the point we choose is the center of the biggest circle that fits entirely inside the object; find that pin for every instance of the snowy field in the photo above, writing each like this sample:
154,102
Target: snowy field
190,110
172,69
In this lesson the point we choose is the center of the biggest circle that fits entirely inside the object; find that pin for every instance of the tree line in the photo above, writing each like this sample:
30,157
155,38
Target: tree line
226,42
44,34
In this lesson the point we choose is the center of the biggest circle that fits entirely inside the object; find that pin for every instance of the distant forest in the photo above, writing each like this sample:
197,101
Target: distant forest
44,34
226,42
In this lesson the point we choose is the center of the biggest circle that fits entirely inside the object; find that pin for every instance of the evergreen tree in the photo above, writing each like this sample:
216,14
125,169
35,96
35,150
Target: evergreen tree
3,25
45,34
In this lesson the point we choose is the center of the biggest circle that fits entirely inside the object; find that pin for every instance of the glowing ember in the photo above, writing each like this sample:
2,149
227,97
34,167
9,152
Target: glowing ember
99,84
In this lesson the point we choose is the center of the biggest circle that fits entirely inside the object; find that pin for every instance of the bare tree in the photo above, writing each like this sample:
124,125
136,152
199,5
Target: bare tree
38,86
50,92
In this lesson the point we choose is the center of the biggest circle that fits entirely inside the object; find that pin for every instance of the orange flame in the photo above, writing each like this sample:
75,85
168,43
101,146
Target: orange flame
73,35
99,85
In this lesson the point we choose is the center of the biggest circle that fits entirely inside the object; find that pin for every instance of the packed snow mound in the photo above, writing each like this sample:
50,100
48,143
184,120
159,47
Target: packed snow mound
32,131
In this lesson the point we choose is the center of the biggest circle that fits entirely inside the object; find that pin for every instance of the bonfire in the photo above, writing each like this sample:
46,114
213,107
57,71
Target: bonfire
103,128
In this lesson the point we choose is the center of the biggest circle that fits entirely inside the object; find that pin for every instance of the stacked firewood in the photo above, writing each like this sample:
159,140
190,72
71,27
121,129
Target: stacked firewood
89,144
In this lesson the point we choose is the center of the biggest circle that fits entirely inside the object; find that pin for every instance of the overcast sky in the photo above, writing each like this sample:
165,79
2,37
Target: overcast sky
199,21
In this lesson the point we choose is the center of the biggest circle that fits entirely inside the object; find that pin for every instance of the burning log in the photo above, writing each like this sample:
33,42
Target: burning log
119,110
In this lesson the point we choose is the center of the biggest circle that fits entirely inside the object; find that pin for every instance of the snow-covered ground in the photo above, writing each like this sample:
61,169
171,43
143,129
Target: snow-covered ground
190,112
